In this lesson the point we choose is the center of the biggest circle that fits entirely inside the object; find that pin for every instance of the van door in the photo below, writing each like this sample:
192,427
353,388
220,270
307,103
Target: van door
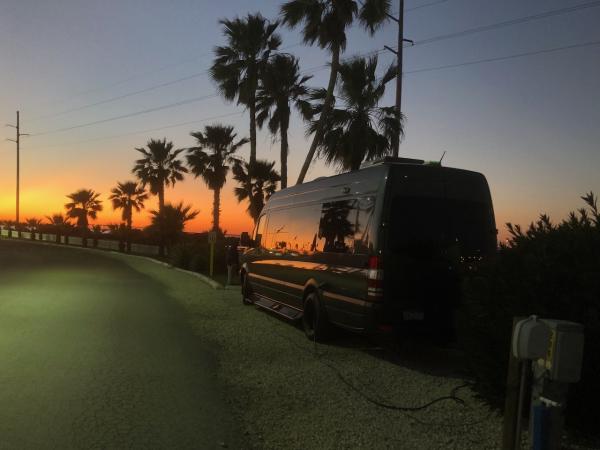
273,269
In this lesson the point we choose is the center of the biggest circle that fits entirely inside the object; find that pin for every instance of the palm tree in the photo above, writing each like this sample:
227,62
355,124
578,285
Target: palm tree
33,224
257,182
84,203
360,129
325,23
158,168
281,85
238,66
128,196
213,166
171,221
59,223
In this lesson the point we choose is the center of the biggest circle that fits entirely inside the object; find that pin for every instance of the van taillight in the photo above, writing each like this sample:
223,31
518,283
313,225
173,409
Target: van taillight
375,279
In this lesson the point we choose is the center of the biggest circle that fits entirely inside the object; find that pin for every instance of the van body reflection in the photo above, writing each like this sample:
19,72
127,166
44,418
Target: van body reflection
377,249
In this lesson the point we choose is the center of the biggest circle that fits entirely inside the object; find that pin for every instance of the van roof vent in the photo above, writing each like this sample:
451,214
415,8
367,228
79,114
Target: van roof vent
391,160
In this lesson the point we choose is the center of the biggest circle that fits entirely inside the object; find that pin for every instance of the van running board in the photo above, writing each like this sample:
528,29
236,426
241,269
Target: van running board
277,308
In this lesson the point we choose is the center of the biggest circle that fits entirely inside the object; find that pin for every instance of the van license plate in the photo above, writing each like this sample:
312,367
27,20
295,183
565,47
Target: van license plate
413,315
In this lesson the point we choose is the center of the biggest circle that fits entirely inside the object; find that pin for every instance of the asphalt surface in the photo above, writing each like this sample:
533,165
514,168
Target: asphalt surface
95,354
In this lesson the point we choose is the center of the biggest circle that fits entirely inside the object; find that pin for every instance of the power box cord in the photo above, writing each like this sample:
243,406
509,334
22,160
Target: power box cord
321,358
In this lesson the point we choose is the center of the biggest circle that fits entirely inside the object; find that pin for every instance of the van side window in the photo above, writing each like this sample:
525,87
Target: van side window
259,231
293,231
278,231
345,226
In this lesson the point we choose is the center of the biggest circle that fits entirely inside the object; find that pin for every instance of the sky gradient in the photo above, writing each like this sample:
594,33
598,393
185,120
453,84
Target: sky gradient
530,124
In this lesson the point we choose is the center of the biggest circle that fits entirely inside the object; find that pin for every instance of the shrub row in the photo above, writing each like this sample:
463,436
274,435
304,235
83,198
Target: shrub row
549,270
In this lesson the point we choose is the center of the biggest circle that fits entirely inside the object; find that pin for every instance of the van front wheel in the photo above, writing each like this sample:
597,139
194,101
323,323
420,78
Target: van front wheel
314,319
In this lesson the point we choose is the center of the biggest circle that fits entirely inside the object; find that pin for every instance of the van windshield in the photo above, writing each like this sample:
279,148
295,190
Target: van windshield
426,222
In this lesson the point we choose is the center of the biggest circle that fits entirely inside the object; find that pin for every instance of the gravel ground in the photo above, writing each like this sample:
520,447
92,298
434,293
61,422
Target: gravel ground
287,392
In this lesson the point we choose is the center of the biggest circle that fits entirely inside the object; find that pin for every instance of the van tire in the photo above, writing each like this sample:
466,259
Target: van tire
314,319
246,291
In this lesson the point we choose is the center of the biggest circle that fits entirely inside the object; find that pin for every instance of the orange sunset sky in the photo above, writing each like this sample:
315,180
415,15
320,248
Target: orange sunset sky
74,69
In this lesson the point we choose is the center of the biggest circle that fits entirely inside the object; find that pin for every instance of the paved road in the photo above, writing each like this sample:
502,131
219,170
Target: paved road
94,354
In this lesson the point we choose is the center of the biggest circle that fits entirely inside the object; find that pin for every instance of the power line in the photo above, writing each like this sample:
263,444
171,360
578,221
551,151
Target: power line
125,80
422,70
170,105
124,116
148,130
426,5
470,31
506,23
129,94
503,58
141,91
432,39
318,68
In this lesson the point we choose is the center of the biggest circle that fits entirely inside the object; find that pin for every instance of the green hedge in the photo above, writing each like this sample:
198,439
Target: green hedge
549,270
194,255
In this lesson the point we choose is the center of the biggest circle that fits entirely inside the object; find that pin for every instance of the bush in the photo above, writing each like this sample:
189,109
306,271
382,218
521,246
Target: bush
194,255
552,271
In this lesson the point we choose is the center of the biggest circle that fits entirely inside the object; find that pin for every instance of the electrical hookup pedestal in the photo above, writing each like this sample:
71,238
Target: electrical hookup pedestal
545,357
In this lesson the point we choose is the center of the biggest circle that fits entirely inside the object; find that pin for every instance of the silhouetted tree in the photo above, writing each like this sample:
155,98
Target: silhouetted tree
84,204
280,88
172,221
211,158
359,129
238,66
128,196
59,224
325,22
257,182
159,167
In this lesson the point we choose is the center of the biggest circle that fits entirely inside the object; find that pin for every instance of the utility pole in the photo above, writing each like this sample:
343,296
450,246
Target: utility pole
17,141
398,52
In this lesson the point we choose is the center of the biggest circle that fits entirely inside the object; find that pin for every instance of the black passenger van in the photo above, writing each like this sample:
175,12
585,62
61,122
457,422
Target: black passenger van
369,250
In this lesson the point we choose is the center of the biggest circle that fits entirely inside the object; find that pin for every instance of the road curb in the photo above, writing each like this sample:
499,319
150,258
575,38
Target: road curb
212,283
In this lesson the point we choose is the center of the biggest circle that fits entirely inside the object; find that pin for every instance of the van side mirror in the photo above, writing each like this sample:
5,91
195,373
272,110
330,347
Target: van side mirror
245,240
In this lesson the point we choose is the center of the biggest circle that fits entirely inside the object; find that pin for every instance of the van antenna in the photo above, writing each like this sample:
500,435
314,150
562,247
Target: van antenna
443,154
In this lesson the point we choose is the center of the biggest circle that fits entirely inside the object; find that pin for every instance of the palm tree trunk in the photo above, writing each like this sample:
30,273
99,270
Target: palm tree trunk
284,153
84,229
252,106
129,224
161,206
216,208
327,105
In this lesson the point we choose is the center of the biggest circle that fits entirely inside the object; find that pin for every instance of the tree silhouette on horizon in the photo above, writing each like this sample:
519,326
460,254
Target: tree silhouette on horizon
84,204
170,222
211,160
128,196
256,183
159,167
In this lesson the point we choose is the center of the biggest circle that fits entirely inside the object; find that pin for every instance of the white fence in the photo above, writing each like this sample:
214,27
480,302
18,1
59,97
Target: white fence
105,244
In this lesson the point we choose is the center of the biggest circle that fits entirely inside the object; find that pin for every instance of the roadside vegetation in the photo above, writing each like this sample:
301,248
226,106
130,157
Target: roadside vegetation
551,270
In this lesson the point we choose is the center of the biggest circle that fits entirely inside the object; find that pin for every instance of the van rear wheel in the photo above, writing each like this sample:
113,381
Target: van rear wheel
314,320
246,291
